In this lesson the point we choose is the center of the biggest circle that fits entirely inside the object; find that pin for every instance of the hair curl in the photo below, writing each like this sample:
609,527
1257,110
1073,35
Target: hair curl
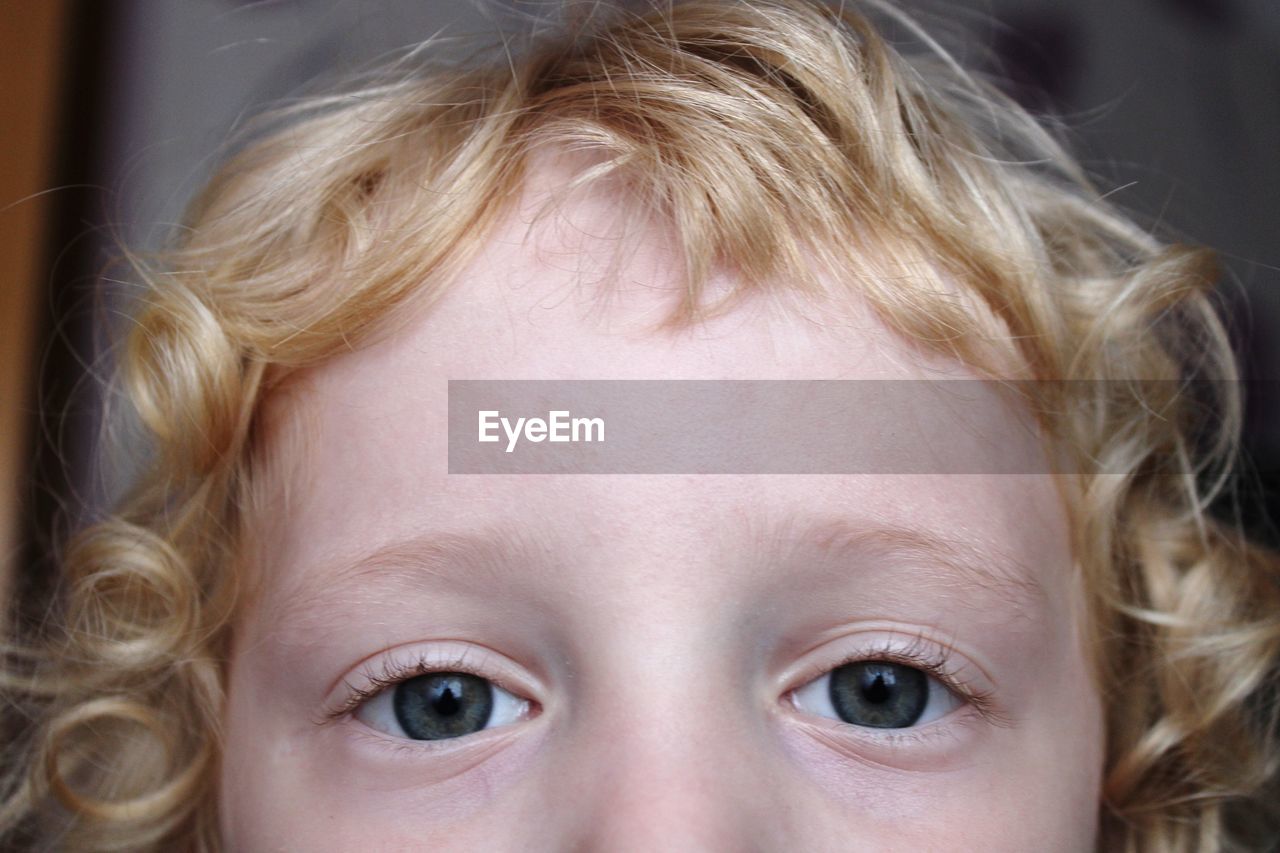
767,132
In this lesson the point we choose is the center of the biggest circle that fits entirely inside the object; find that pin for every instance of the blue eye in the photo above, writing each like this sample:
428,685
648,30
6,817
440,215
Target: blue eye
440,705
877,694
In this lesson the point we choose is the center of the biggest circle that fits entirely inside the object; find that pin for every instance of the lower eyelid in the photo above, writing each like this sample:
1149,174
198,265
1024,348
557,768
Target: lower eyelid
895,749
432,761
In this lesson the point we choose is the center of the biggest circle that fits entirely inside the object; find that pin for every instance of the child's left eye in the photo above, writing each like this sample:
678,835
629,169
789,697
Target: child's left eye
440,705
877,694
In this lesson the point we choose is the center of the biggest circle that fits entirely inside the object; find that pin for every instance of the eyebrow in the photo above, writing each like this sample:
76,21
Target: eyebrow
947,561
481,561
471,560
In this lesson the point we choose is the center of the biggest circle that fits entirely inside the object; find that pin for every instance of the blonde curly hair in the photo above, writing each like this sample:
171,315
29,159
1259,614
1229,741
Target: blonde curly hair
768,132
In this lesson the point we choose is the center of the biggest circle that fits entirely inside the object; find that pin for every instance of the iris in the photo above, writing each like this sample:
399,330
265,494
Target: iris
442,705
879,694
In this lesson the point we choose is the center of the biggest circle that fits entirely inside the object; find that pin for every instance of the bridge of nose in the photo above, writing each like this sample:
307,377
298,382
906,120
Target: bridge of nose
667,737
669,746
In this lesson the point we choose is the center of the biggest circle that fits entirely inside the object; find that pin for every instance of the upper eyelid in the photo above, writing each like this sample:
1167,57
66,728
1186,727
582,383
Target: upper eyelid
931,669
980,699
400,663
936,659
910,648
907,638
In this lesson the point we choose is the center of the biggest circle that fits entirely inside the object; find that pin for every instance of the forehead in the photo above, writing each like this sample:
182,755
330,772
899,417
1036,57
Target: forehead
362,460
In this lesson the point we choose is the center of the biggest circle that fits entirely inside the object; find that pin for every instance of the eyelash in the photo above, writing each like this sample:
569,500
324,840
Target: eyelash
393,673
932,659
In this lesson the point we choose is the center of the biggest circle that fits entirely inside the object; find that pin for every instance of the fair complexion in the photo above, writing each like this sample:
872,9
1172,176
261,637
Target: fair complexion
657,652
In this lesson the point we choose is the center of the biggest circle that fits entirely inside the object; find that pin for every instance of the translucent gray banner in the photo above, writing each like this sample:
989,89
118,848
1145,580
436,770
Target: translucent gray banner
742,427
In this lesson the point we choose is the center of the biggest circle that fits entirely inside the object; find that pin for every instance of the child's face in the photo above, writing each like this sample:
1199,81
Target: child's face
663,643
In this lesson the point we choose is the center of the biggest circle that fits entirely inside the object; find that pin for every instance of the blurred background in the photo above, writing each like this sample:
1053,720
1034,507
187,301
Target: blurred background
112,113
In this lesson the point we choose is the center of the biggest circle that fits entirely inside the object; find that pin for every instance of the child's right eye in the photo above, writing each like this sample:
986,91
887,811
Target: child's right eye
441,705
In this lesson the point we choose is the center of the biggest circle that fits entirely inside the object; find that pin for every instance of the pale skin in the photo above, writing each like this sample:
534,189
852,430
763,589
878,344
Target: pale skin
656,639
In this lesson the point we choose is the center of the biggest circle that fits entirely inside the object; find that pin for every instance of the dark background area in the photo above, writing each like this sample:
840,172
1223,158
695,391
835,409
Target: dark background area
1174,106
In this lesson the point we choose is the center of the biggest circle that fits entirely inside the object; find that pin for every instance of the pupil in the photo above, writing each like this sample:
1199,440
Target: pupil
879,694
876,693
442,705
447,704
